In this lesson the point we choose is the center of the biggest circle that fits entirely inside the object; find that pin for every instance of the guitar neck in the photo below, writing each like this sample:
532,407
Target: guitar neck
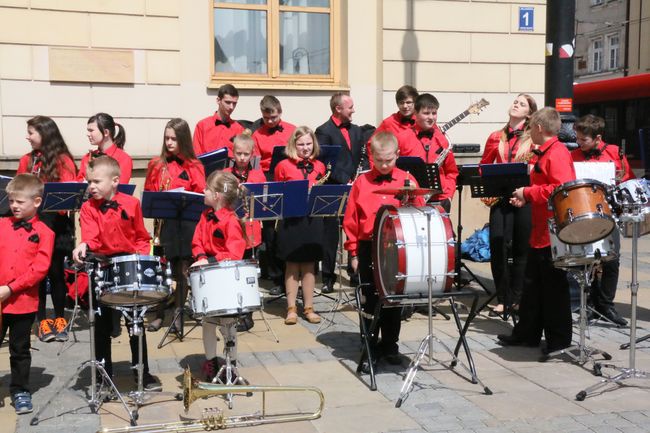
454,121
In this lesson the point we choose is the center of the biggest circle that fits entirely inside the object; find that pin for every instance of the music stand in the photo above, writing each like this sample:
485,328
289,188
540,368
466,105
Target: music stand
427,175
214,160
330,201
489,180
277,156
179,205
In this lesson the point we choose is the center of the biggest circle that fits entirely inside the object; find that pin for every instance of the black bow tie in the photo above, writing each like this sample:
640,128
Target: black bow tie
212,216
97,153
345,125
538,152
276,128
407,120
108,204
221,122
425,134
514,133
384,178
24,224
173,158
593,153
307,166
241,175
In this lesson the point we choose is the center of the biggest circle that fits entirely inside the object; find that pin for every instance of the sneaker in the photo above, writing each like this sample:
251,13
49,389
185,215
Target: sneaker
210,368
150,383
22,402
61,328
45,331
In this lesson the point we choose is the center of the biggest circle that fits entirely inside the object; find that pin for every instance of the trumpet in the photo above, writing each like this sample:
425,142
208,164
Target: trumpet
214,419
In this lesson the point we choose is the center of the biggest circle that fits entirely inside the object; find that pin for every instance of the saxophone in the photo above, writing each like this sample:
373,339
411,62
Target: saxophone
158,223
491,201
328,172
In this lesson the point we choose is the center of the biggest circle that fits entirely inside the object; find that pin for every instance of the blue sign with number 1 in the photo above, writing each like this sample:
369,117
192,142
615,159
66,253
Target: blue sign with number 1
526,19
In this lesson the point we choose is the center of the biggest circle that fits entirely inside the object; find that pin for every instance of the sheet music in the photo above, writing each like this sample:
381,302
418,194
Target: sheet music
604,172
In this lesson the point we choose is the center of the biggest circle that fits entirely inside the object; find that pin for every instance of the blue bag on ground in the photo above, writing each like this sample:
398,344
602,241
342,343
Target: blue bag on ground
477,246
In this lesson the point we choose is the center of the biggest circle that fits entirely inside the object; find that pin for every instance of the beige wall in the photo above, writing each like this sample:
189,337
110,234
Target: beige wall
639,48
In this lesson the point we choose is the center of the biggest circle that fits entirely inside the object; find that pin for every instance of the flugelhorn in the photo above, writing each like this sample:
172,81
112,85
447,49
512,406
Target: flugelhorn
214,419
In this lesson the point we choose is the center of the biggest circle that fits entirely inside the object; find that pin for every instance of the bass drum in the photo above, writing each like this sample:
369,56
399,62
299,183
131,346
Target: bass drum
400,251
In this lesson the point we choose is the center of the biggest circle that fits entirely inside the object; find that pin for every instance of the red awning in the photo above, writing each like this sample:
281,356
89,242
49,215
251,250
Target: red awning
616,89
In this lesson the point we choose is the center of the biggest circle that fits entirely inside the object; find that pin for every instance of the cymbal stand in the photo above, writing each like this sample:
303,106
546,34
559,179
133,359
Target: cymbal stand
635,216
107,388
427,342
584,276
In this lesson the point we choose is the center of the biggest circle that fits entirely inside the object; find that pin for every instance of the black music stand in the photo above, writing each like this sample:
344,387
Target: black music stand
277,156
492,180
329,201
180,205
214,160
427,175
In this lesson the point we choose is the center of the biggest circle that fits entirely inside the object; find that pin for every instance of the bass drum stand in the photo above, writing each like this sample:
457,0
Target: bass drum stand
631,372
427,342
584,276
107,388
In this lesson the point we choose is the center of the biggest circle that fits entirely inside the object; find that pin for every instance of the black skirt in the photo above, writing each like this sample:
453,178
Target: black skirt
176,238
300,239
63,227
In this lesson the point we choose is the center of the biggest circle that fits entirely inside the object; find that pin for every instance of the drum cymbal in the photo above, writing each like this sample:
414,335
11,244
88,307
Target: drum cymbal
405,190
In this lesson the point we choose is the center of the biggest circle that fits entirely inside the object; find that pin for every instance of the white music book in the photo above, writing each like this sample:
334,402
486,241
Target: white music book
604,172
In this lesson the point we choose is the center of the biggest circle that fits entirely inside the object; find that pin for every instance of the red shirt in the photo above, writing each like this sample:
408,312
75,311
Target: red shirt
218,234
253,228
364,203
555,168
123,158
491,154
26,256
289,169
411,145
212,133
396,123
344,131
266,139
608,152
114,231
175,173
65,166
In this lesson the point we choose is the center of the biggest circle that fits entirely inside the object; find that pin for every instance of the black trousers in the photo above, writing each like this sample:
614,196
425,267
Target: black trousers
20,357
103,328
603,291
545,302
271,265
389,318
330,248
509,233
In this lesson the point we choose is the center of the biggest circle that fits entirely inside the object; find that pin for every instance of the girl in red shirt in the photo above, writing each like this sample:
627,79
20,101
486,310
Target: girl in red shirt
109,137
509,225
300,239
219,236
176,167
51,161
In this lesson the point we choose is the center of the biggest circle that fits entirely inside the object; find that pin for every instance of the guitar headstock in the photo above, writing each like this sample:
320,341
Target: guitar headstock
477,107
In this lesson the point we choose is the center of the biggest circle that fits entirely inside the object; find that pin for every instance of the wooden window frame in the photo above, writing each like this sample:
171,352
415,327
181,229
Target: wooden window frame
274,79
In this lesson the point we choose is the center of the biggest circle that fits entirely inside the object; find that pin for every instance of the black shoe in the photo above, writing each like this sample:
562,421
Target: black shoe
354,279
550,349
511,340
393,358
276,290
612,315
328,287
150,383
365,367
245,323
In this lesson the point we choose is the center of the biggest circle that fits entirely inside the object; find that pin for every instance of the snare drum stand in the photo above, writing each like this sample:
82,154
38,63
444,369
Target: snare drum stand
75,313
584,276
635,217
427,342
97,396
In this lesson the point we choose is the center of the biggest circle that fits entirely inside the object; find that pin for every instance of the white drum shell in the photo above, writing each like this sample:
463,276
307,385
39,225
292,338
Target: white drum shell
224,289
567,256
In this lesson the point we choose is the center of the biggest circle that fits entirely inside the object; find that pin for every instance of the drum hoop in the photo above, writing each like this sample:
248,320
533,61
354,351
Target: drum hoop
134,258
223,265
389,210
573,184
451,247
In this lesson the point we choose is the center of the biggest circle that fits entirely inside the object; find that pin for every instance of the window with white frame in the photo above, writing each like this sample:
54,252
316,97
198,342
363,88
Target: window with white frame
613,49
596,55
596,2
275,41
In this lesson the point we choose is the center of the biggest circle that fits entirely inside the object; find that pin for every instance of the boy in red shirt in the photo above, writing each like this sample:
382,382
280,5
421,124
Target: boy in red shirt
26,254
274,132
404,118
545,301
426,141
358,224
111,224
589,132
217,131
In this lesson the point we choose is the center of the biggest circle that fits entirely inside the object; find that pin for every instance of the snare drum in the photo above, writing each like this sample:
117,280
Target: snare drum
133,280
582,213
567,256
400,251
633,196
224,289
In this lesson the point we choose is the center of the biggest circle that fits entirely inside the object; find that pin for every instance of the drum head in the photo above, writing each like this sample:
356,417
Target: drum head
587,229
389,256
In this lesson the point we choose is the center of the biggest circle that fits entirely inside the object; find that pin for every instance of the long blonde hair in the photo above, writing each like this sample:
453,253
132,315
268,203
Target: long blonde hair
525,143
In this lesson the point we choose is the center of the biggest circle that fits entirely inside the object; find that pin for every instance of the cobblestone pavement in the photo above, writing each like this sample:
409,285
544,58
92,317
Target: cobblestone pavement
528,396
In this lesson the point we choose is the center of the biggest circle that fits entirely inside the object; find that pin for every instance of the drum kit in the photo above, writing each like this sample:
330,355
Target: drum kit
413,255
586,214
134,283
